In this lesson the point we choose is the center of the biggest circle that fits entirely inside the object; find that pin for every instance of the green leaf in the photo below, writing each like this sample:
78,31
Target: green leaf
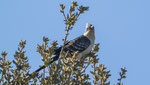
62,6
74,3
71,9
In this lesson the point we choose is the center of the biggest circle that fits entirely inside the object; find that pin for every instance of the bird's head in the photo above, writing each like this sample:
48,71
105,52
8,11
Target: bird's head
89,27
89,31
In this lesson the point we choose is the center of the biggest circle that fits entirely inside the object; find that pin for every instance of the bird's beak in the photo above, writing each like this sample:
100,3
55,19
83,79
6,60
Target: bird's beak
92,27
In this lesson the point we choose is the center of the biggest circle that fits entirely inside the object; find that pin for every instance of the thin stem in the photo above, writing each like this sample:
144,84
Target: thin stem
94,72
102,82
67,32
78,15
87,66
64,15
3,79
44,68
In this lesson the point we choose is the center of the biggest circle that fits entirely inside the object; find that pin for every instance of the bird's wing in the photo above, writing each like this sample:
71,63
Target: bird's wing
79,44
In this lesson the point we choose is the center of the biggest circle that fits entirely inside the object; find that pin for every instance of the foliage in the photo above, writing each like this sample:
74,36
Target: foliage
67,70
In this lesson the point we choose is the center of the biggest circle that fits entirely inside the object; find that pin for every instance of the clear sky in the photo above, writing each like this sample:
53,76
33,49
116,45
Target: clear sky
122,28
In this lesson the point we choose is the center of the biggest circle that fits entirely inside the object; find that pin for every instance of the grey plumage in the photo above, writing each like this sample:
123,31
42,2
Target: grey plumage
78,44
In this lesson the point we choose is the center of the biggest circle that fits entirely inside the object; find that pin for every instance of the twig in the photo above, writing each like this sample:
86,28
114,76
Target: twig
64,40
87,66
64,15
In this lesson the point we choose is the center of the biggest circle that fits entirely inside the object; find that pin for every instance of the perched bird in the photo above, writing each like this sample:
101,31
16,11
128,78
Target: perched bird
83,44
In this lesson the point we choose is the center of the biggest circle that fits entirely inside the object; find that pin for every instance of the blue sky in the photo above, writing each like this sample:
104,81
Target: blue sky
122,29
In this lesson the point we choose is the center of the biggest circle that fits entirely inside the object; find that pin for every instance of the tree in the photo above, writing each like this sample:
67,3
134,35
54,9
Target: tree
68,70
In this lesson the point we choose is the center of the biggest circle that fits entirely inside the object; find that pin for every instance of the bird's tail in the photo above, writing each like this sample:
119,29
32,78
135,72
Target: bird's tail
52,60
56,57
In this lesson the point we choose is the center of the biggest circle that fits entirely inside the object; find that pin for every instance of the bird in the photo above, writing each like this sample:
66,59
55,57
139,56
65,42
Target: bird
82,45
